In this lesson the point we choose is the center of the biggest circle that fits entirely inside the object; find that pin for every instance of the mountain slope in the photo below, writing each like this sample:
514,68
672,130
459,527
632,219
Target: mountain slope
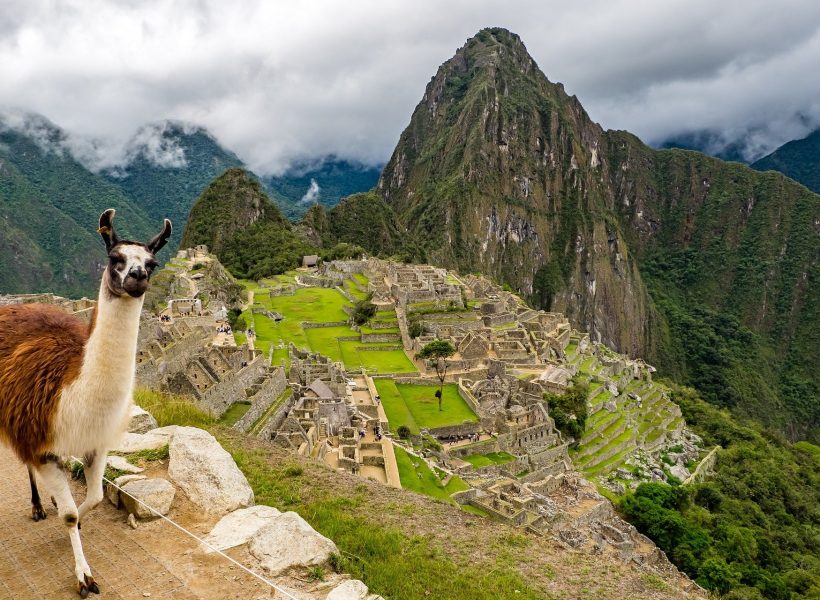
240,224
324,183
798,159
169,164
49,209
708,269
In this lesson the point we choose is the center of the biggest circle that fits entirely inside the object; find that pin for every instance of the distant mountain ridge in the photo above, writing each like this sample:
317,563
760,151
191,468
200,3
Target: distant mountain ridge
798,159
50,201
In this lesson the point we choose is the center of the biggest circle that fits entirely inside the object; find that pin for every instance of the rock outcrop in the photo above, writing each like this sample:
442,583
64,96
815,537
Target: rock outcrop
289,542
206,472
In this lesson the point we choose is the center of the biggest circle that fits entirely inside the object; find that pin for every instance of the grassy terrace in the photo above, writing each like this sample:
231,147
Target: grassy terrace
321,305
417,407
235,412
417,476
491,458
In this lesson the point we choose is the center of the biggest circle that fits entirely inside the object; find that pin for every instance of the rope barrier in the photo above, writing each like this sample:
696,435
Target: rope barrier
200,540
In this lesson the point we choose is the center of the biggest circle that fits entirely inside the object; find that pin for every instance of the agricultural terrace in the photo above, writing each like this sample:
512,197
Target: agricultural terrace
417,407
321,306
416,475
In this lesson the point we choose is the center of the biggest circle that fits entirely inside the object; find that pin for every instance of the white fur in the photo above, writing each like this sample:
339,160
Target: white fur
94,406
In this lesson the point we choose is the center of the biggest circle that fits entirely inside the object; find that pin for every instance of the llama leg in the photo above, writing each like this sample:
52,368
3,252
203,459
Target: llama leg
55,480
37,512
94,470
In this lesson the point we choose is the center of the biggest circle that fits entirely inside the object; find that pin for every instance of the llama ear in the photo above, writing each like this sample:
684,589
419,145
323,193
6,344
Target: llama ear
161,239
106,229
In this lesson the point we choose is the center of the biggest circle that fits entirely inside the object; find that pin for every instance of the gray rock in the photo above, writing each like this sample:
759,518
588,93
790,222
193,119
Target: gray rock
288,542
156,493
121,464
141,420
238,527
352,589
134,442
206,472
679,471
113,494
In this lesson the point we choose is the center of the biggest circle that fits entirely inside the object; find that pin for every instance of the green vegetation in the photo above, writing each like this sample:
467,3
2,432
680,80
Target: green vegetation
798,159
491,458
168,409
416,475
338,342
235,412
415,405
392,561
753,526
438,351
570,409
363,311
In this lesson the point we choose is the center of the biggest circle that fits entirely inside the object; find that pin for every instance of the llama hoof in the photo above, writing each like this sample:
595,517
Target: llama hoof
89,586
38,513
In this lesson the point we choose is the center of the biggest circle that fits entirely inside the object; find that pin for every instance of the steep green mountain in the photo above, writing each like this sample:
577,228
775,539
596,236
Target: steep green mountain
706,268
324,182
798,159
241,225
49,210
169,164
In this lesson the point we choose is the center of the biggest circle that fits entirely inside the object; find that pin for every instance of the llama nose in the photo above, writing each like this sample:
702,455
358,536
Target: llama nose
138,273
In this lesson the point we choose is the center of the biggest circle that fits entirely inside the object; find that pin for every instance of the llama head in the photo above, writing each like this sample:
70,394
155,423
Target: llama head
130,264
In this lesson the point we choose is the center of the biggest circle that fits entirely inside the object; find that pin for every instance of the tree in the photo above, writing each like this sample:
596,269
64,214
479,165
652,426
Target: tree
363,311
403,432
440,350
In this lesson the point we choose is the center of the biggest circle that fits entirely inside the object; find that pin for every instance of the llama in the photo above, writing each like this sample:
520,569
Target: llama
66,387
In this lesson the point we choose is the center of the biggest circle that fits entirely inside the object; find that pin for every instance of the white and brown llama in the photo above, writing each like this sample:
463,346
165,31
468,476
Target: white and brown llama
66,387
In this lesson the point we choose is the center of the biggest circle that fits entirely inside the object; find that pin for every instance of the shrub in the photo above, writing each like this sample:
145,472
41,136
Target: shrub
403,432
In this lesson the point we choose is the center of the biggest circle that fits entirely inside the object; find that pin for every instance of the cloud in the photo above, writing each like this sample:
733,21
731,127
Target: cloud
312,194
280,83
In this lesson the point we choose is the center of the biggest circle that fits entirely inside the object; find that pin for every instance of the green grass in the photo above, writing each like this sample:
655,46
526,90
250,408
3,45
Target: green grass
235,412
390,559
416,475
360,278
321,305
417,407
172,410
491,458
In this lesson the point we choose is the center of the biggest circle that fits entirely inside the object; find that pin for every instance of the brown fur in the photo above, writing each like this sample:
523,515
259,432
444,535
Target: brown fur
41,352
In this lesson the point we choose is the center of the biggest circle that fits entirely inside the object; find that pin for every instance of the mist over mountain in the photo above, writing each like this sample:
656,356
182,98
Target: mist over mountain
798,159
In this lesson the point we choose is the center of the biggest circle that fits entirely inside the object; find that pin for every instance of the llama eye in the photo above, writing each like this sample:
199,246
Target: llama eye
150,266
116,261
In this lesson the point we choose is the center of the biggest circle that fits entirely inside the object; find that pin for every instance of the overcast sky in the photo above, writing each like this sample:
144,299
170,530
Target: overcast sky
282,81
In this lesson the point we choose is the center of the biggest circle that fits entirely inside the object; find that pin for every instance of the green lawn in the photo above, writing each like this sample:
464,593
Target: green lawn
235,412
491,458
416,475
417,407
321,305
361,279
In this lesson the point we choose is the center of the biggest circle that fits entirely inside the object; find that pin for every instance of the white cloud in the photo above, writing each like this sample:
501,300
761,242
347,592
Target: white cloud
282,82
312,194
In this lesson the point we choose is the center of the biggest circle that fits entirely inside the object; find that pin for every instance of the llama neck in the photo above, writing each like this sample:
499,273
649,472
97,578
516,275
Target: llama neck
111,350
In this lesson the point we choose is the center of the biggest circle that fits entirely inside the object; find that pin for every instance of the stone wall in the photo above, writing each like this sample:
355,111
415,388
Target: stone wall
270,390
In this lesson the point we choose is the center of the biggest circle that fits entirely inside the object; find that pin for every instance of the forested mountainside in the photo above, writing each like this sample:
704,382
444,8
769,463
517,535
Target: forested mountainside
798,159
169,165
49,209
706,268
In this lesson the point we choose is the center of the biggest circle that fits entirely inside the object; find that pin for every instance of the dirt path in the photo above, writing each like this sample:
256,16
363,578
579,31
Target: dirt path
153,561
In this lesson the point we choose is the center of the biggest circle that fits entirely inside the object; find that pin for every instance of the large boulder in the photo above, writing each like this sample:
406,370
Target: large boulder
288,542
240,526
352,589
206,472
141,420
156,493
